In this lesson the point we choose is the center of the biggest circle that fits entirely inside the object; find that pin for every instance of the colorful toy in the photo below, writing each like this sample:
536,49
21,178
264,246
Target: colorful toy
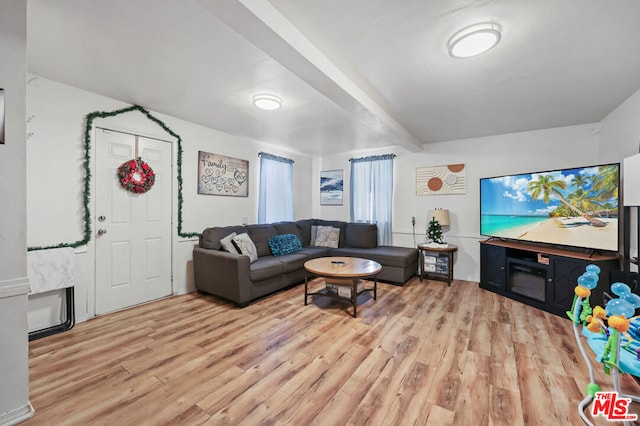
612,333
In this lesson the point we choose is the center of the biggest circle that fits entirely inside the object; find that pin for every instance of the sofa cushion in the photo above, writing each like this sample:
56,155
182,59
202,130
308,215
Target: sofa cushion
227,244
313,252
210,238
260,235
304,230
287,228
246,246
292,262
361,235
266,267
284,244
400,257
336,224
327,236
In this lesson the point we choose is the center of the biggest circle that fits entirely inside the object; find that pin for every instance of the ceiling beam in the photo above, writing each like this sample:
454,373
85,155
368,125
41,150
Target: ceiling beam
264,26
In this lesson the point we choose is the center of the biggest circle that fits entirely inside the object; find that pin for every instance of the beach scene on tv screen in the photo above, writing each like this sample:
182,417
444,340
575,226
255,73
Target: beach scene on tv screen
573,207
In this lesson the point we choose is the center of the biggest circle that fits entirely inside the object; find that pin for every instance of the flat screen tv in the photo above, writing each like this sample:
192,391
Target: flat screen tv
575,207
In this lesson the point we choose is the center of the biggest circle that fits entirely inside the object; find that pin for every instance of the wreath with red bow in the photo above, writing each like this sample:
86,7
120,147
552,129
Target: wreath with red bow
136,176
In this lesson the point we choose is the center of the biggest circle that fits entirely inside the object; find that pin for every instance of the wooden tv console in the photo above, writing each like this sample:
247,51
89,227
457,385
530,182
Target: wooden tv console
540,276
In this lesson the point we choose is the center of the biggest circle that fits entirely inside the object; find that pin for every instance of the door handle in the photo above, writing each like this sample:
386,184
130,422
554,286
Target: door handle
102,231
102,218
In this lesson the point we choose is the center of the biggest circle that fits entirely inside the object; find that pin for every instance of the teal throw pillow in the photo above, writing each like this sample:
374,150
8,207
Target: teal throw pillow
284,244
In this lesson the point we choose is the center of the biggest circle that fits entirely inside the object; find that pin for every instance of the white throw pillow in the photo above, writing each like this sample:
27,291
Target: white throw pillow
327,236
246,246
227,244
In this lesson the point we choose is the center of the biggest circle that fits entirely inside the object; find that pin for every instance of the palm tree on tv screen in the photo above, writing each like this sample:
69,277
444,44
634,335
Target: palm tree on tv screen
585,201
580,181
605,182
546,185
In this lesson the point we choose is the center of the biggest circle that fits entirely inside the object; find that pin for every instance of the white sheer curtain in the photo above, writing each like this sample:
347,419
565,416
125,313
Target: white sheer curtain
275,198
372,193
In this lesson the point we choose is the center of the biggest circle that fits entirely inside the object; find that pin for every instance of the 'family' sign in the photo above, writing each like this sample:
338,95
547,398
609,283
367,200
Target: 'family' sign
220,175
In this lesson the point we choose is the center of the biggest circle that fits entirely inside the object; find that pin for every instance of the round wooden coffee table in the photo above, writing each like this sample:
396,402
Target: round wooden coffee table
343,277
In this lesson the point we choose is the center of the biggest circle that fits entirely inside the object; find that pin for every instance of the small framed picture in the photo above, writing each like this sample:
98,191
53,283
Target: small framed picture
331,187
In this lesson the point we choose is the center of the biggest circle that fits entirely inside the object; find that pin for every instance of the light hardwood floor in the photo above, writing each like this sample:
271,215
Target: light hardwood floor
423,353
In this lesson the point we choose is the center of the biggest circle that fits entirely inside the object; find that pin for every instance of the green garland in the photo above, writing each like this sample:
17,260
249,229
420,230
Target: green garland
87,175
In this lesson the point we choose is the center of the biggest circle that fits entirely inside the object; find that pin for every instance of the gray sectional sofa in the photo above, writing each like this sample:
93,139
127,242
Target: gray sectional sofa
234,277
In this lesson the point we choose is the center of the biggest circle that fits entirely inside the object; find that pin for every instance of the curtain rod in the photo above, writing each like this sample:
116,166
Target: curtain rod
275,157
375,157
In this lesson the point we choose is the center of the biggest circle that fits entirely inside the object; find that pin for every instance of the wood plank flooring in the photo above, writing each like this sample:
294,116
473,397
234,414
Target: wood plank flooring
424,354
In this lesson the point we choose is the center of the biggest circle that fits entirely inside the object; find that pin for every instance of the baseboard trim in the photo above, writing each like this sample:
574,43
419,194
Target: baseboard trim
18,415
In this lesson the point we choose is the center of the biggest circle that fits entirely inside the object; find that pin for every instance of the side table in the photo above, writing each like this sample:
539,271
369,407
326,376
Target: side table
437,262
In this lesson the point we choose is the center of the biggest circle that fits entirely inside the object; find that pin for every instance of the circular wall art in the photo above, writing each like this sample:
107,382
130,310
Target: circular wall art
449,179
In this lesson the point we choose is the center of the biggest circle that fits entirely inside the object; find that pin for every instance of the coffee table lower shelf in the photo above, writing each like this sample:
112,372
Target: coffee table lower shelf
353,290
340,273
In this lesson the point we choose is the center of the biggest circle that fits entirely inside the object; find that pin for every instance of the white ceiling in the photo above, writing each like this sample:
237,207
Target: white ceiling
353,74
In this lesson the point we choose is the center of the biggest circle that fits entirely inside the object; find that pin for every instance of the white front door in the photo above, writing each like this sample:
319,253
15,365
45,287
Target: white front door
132,231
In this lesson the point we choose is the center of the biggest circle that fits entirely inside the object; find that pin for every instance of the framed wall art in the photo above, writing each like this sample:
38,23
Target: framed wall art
220,175
441,180
331,187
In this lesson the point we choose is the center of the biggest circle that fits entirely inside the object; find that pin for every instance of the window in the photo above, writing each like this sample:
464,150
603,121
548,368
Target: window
275,199
372,193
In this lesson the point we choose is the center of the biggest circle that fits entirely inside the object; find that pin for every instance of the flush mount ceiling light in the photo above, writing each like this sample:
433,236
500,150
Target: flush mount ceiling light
265,101
474,40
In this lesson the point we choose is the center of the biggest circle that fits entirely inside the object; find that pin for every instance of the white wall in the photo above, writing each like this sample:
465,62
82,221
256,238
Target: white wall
620,131
55,152
487,156
14,373
620,138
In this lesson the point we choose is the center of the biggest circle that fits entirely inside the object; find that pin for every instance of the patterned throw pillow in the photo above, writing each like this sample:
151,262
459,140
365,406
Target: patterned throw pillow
227,245
246,246
284,244
327,236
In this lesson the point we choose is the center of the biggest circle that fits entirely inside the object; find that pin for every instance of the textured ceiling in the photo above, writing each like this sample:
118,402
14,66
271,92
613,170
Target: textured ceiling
353,74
